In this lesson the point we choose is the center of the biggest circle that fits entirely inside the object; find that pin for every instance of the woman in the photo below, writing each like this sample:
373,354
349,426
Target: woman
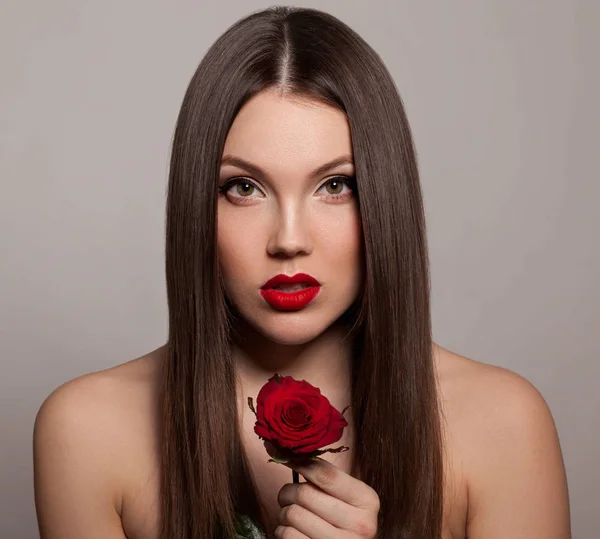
292,156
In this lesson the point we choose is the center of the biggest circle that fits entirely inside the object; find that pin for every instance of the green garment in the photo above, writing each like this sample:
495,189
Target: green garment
247,529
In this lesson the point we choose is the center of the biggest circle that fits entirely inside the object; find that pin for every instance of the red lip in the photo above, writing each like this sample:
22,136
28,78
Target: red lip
290,301
299,278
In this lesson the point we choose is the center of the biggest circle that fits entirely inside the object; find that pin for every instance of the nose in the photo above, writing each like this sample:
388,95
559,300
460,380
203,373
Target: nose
290,235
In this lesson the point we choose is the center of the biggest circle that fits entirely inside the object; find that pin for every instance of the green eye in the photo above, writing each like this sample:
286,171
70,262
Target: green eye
334,186
244,188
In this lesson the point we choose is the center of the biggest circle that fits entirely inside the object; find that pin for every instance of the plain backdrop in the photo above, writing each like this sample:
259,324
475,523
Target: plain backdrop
502,96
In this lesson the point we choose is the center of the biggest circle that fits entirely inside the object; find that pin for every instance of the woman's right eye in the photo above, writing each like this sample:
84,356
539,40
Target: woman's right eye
243,188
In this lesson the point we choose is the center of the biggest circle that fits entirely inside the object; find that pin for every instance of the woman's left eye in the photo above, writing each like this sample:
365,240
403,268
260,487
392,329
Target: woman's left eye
335,186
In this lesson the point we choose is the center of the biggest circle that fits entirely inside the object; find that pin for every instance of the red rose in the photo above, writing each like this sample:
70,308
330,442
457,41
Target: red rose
294,419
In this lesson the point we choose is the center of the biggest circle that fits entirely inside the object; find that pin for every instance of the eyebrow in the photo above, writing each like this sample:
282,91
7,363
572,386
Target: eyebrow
257,171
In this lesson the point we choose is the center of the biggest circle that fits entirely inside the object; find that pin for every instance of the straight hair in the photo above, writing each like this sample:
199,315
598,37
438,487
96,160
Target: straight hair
205,475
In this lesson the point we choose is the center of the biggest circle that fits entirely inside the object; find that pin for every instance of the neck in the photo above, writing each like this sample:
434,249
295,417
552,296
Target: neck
324,362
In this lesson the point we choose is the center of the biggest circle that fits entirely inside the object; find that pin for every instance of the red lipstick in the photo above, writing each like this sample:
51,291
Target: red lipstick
290,300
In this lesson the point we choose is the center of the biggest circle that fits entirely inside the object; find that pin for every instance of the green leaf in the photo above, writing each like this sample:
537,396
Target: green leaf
340,449
279,460
277,378
250,403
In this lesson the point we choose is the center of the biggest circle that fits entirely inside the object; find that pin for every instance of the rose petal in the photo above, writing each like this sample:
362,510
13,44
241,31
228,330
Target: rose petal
296,417
296,413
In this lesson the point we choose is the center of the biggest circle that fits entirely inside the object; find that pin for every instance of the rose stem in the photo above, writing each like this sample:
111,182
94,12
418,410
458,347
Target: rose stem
295,476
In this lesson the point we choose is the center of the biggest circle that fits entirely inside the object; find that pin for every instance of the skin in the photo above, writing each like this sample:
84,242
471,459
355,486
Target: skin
96,457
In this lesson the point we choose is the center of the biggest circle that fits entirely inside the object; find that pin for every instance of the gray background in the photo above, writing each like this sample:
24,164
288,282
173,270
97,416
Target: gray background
502,96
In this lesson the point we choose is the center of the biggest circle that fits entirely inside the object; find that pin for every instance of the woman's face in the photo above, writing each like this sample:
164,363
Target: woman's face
283,216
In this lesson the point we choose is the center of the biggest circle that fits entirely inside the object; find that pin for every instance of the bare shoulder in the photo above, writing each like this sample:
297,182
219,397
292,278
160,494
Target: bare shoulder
502,428
105,402
479,388
92,435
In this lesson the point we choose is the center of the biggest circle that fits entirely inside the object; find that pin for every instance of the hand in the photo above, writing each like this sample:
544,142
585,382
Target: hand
330,505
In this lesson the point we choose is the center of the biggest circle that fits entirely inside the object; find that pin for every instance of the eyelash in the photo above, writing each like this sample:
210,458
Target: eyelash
350,181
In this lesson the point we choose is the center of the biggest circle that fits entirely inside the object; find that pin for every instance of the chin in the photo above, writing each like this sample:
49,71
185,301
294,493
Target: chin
290,328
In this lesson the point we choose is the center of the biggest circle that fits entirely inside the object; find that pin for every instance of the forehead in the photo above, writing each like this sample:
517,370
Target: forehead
281,131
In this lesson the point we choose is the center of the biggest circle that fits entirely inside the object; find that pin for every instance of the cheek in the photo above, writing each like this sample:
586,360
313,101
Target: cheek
238,247
343,242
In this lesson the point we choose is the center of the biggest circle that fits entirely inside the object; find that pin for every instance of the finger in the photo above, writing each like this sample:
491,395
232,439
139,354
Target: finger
339,484
287,532
306,522
317,501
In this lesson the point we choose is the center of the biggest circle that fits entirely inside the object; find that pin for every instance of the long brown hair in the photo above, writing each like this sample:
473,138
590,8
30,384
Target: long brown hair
398,449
